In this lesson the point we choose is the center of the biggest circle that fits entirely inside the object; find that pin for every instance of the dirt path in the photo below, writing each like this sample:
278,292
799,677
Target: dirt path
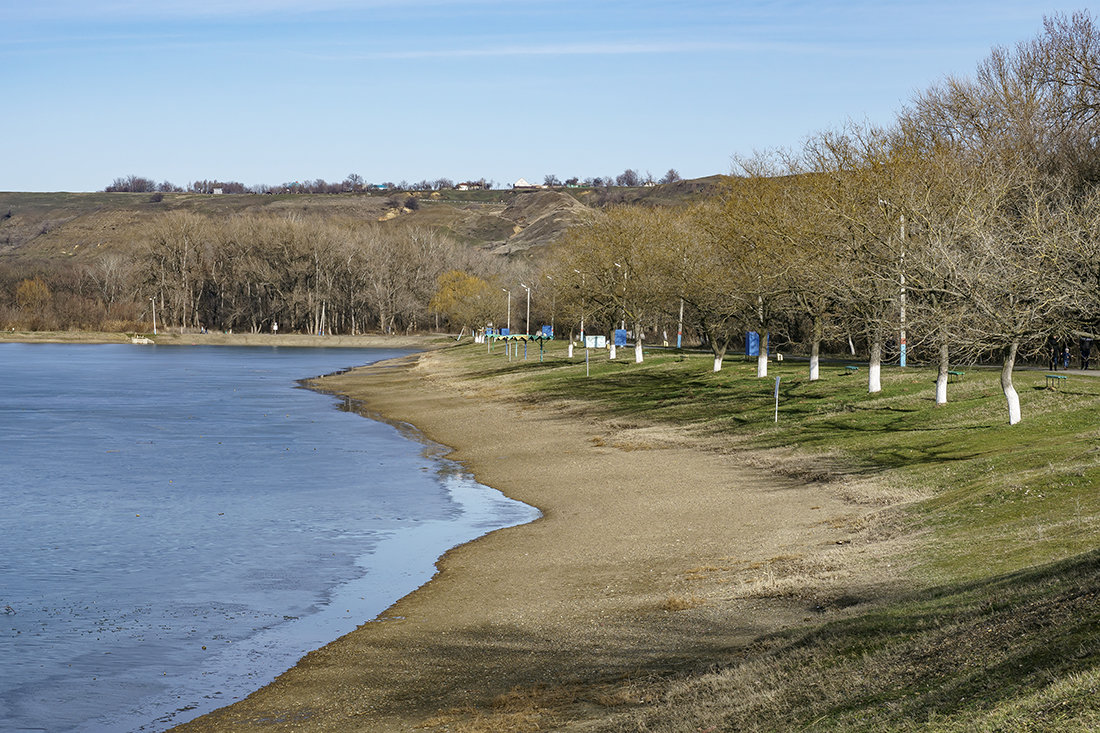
652,556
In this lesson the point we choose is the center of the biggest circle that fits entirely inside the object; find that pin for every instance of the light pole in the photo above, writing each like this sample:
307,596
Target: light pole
553,303
901,361
582,302
622,313
528,327
901,282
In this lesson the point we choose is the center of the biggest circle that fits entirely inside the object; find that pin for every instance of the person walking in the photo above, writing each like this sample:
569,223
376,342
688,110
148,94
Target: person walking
1086,351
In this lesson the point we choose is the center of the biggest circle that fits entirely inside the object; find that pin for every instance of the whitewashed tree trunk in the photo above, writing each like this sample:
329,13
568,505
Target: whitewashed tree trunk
637,344
941,377
717,363
815,351
874,367
762,356
1011,396
612,350
570,349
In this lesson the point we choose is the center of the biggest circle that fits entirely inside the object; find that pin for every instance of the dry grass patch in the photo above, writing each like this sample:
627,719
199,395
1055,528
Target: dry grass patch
542,707
681,602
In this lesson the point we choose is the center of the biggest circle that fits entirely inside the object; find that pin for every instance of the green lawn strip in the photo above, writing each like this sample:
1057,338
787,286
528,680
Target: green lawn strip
1002,631
1001,497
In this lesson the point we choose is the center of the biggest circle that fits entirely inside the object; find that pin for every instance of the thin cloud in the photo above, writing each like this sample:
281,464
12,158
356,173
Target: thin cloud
143,10
598,48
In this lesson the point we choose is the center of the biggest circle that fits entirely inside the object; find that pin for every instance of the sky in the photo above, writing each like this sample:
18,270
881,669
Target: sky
274,91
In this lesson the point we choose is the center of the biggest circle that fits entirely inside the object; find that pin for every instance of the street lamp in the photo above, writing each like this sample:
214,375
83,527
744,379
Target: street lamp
901,282
623,311
553,303
582,302
528,331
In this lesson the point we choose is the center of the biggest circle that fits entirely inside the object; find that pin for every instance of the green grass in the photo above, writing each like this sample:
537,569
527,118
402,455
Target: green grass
1001,497
999,628
1017,652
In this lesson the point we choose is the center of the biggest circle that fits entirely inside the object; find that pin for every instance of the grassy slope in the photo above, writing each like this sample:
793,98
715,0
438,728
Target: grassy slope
53,227
1000,626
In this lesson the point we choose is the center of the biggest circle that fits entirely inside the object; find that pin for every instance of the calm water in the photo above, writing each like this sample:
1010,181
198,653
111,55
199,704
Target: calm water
178,525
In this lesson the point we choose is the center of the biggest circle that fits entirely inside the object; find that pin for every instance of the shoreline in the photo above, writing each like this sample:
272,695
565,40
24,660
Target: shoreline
654,555
230,339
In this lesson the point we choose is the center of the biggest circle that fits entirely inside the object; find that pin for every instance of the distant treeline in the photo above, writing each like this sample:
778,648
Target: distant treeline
355,183
247,273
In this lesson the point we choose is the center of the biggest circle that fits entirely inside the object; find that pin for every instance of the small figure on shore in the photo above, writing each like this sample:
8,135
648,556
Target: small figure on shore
1065,356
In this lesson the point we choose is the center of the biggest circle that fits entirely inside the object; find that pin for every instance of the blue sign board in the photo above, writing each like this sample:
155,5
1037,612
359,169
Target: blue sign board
620,337
752,344
505,331
547,332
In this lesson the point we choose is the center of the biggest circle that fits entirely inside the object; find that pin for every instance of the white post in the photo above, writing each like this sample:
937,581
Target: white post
680,328
154,299
777,399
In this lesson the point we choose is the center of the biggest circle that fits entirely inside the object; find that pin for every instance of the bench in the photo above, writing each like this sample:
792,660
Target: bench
953,376
1053,380
851,369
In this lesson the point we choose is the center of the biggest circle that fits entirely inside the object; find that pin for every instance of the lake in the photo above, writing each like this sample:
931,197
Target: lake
178,525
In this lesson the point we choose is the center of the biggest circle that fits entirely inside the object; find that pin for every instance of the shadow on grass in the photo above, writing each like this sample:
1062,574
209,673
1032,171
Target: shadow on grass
954,654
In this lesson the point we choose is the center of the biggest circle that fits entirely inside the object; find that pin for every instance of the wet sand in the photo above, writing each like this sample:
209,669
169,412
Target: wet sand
655,555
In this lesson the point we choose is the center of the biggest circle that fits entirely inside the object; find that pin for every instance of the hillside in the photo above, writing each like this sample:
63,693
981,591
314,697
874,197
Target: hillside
57,226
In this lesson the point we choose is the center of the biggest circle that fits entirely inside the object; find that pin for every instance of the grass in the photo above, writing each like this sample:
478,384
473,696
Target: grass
998,626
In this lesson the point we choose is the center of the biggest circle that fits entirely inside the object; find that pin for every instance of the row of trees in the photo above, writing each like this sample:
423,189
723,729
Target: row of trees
967,229
249,273
355,183
628,178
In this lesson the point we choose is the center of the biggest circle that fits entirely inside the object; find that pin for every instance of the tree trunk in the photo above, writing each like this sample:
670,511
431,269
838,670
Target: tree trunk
762,356
874,367
1011,396
637,343
941,376
719,354
815,350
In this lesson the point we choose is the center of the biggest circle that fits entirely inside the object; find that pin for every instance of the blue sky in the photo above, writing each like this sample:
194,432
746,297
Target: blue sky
269,91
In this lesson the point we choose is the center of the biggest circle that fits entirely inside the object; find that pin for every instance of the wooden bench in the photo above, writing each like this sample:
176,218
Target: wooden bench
955,376
851,369
1053,380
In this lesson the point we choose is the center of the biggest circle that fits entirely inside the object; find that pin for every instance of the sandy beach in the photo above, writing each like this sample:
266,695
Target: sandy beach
657,554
